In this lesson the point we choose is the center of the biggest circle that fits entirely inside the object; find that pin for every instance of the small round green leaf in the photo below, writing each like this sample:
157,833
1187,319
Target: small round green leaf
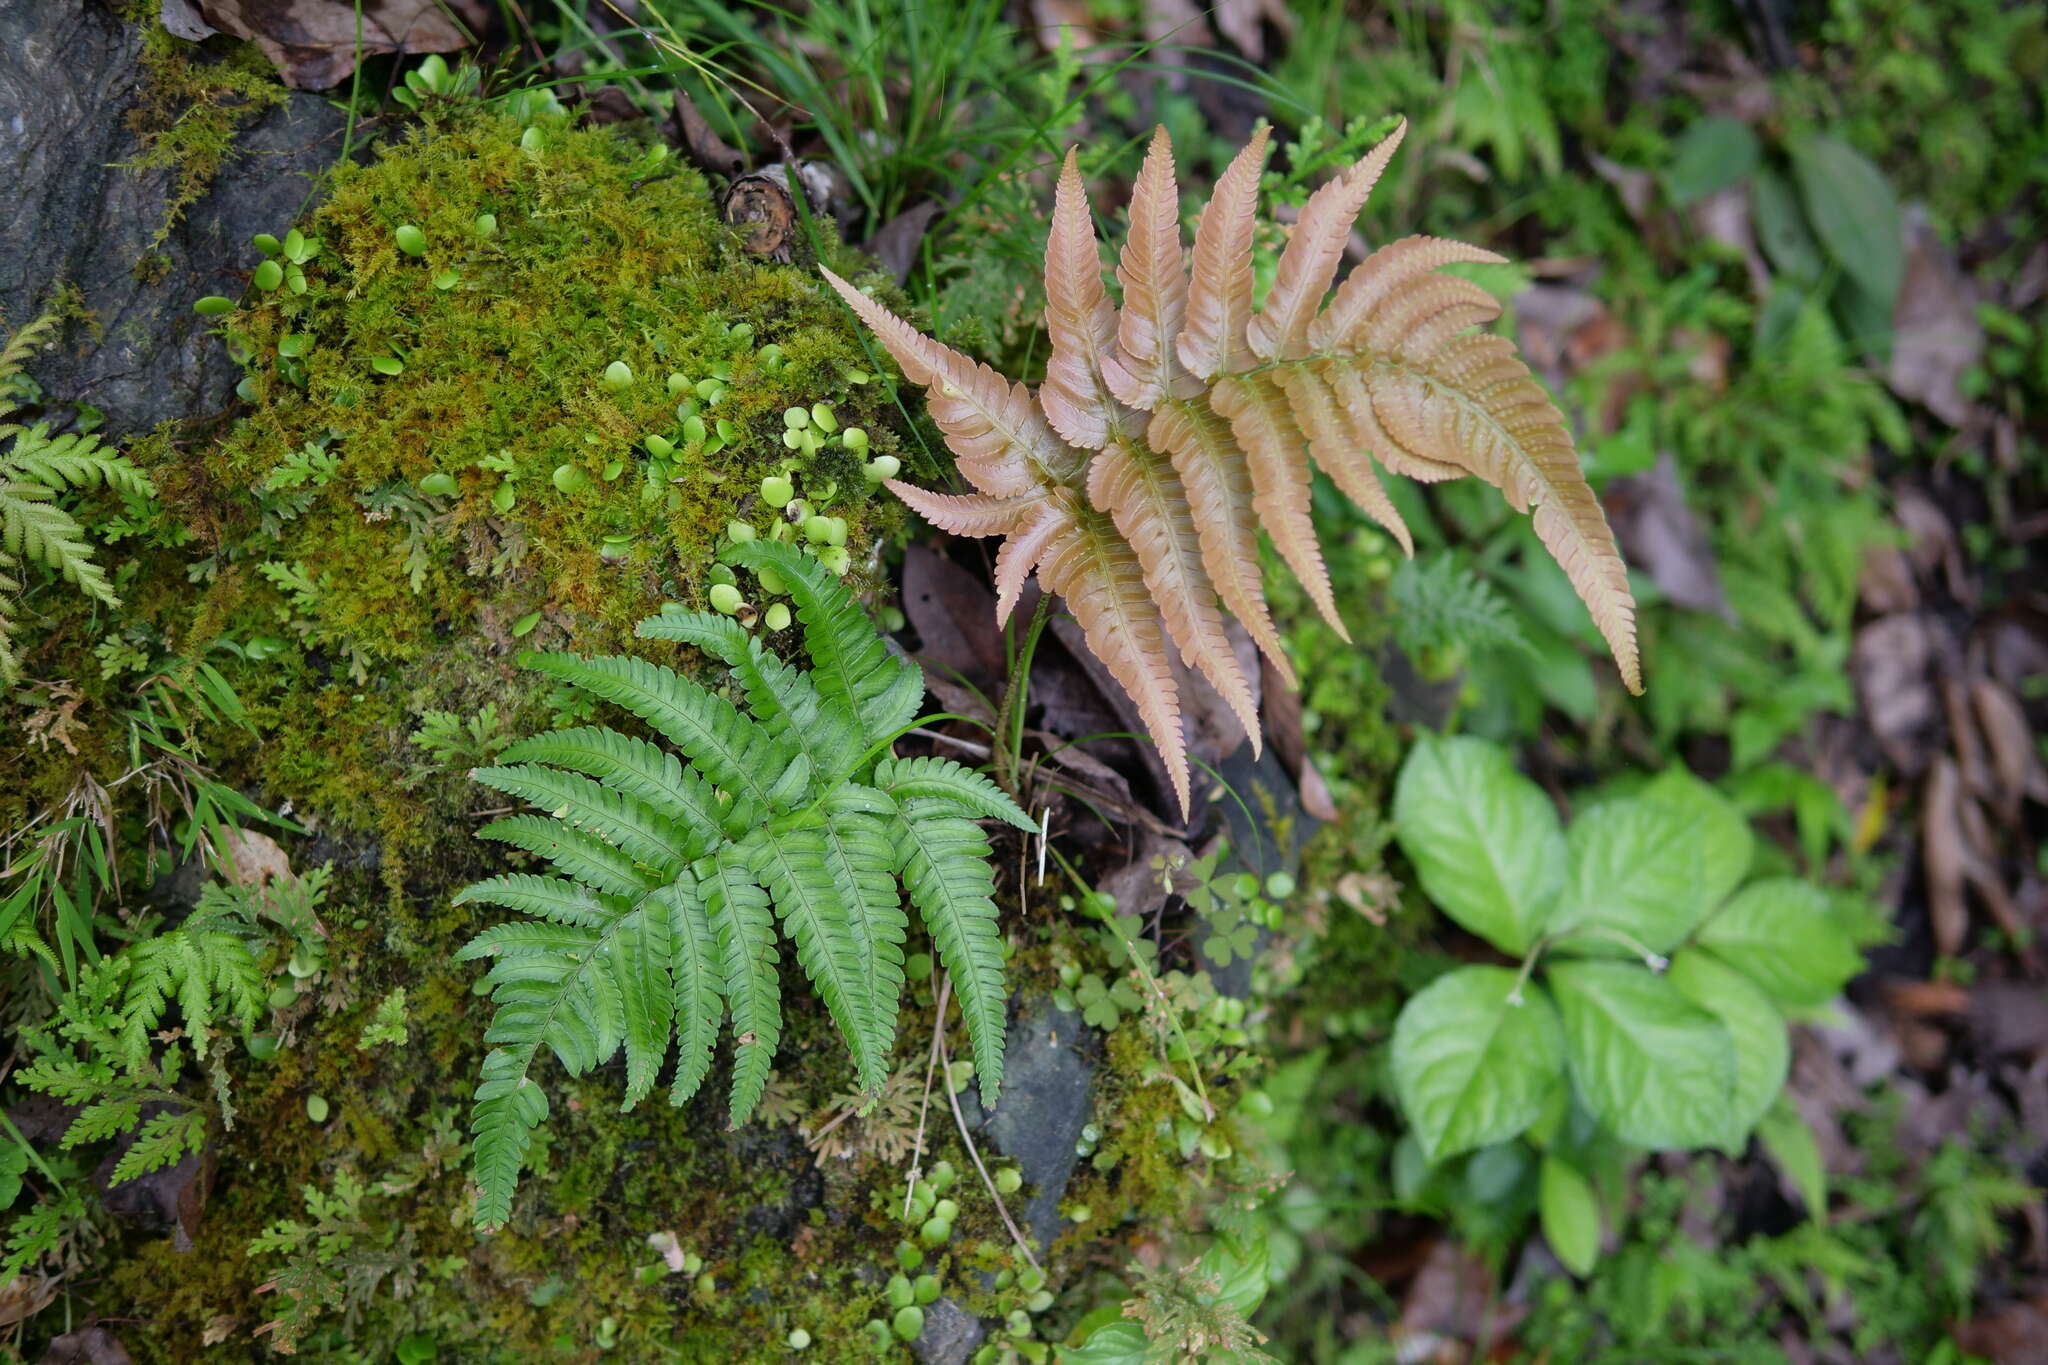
440,485
317,1108
410,239
212,306
618,375
568,478
268,275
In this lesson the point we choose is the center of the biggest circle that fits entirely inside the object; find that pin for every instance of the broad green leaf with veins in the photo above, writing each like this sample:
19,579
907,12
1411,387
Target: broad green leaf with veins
1484,839
1471,1065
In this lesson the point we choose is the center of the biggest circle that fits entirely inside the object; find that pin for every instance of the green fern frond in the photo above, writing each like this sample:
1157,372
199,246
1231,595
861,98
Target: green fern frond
945,867
943,779
632,766
583,856
676,870
849,659
630,825
552,898
733,752
782,699
696,1001
33,528
861,860
747,961
794,868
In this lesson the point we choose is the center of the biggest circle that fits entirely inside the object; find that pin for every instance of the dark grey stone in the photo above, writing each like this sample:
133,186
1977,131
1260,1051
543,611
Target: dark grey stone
70,76
1048,1088
950,1334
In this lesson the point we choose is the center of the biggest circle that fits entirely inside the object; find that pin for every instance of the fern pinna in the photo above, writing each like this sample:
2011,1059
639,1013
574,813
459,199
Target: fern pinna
658,927
1171,430
35,468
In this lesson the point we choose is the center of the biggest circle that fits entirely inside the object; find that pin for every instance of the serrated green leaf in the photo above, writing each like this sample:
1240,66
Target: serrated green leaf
1785,1134
946,780
1570,1216
944,863
1655,1069
1470,1067
1712,155
1652,865
1484,839
1780,935
1854,211
1763,1055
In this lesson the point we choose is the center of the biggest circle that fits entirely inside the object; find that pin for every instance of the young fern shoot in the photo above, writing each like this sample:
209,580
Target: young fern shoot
1171,430
658,927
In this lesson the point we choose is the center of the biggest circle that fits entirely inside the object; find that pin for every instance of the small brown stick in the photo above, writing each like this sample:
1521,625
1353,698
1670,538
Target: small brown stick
960,1122
924,1102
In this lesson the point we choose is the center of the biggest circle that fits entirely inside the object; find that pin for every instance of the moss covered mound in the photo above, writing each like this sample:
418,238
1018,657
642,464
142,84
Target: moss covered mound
525,365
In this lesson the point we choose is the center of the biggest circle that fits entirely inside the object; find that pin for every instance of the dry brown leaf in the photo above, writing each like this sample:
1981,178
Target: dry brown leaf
1945,855
24,1296
87,1346
1891,662
315,43
1283,724
1936,338
253,858
1658,531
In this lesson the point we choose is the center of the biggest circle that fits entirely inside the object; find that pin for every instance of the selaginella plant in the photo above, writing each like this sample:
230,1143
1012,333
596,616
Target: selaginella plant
658,927
1171,430
1654,985
33,470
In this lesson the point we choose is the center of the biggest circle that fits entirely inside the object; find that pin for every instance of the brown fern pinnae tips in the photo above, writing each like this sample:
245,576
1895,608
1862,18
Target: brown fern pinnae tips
1387,271
1143,370
1098,574
1081,323
1219,491
1274,453
1315,246
1212,339
1333,442
1144,497
976,514
994,429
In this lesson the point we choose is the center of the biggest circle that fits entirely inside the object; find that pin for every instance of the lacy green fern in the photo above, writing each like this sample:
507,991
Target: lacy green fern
104,1053
659,926
35,468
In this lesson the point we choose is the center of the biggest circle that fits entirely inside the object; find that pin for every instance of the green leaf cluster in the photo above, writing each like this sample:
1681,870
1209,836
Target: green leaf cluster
657,927
34,469
1651,1005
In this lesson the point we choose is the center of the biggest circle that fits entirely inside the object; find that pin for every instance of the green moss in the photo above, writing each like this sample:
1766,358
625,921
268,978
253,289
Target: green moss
193,101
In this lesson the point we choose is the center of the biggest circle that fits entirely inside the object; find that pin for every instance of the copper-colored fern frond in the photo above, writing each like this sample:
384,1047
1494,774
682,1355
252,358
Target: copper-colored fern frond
1172,429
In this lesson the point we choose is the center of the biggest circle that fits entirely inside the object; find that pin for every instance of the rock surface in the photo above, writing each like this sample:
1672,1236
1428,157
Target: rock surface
1048,1075
950,1335
71,76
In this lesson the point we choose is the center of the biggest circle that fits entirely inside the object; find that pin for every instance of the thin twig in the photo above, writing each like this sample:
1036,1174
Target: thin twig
978,750
930,1065
960,1122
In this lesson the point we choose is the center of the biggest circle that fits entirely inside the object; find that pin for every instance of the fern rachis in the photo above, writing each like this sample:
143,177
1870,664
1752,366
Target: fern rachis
1172,429
674,870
